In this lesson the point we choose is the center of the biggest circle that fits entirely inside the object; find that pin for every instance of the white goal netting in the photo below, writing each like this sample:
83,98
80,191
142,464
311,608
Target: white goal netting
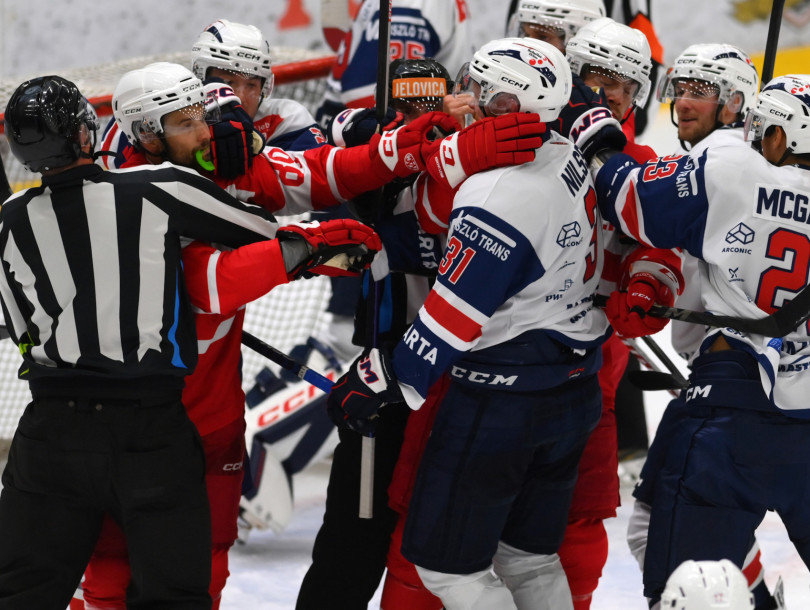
283,318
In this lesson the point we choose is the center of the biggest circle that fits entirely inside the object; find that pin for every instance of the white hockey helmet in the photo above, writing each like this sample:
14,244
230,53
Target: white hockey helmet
236,47
565,15
726,68
785,101
143,97
707,585
619,49
517,75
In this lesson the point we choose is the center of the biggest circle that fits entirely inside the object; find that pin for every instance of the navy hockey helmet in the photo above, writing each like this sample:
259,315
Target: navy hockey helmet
42,121
417,86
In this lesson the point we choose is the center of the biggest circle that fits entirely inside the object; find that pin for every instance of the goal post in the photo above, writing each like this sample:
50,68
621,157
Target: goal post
285,317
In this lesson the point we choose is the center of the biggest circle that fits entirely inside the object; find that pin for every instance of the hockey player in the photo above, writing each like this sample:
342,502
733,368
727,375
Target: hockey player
733,455
349,554
220,284
92,292
710,87
484,491
438,29
239,56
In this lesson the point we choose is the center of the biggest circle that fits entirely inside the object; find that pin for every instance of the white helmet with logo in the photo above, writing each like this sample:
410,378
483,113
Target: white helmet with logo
144,96
517,75
565,15
726,68
785,101
236,47
707,585
615,47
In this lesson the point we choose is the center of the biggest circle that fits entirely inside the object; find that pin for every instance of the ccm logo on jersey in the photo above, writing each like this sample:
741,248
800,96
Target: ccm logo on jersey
697,391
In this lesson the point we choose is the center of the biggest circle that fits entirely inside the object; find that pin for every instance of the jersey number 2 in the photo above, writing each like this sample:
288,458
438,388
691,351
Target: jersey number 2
784,245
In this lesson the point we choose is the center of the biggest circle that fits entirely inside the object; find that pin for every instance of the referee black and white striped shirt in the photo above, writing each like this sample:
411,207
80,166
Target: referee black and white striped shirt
91,284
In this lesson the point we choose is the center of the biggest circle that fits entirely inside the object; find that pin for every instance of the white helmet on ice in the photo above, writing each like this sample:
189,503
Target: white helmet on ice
144,96
236,47
707,585
726,68
785,101
517,75
620,50
565,15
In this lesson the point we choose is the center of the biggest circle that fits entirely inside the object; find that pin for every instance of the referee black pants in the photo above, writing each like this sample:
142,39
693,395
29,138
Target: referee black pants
71,461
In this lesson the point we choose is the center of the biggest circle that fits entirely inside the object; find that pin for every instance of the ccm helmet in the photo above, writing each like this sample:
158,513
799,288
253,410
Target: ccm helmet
623,52
707,585
517,75
567,16
144,96
725,70
417,86
42,121
236,47
785,101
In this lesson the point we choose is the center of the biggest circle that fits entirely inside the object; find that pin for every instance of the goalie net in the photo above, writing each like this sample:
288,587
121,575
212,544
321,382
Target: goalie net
284,318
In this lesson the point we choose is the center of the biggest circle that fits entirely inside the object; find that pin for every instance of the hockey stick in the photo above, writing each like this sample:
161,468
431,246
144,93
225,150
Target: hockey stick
5,187
774,27
654,378
284,361
366,510
780,323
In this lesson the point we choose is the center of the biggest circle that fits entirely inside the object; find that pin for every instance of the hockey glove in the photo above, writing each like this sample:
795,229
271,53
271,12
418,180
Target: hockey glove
234,142
627,311
595,131
335,247
401,152
358,395
355,126
491,142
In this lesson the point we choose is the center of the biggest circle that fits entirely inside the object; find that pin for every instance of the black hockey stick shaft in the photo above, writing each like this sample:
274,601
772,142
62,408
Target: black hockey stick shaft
784,321
659,353
5,187
654,381
774,27
286,362
662,380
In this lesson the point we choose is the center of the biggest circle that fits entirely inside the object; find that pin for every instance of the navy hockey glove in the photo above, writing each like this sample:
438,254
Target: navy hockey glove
358,395
595,131
510,139
355,126
234,142
334,247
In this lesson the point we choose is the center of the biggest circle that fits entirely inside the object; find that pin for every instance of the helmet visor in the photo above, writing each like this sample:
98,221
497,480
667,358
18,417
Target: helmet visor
688,89
754,128
482,96
188,119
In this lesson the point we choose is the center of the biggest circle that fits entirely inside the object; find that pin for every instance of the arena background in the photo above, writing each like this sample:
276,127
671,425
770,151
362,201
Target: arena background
41,36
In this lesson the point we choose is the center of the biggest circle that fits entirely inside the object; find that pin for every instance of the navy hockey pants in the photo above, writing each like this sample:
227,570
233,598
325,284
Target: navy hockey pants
723,458
498,466
73,460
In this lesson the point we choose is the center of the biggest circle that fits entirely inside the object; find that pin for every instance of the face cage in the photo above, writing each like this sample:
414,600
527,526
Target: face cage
500,103
196,112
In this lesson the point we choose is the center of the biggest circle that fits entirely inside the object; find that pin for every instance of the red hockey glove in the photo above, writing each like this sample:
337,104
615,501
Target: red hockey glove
355,126
627,311
334,247
234,142
510,139
596,130
357,396
401,151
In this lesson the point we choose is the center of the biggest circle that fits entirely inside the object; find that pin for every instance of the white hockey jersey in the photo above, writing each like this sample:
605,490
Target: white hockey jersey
419,29
748,222
521,265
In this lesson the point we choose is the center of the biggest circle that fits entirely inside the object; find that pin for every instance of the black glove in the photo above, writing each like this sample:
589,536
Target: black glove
355,126
358,395
234,142
597,130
